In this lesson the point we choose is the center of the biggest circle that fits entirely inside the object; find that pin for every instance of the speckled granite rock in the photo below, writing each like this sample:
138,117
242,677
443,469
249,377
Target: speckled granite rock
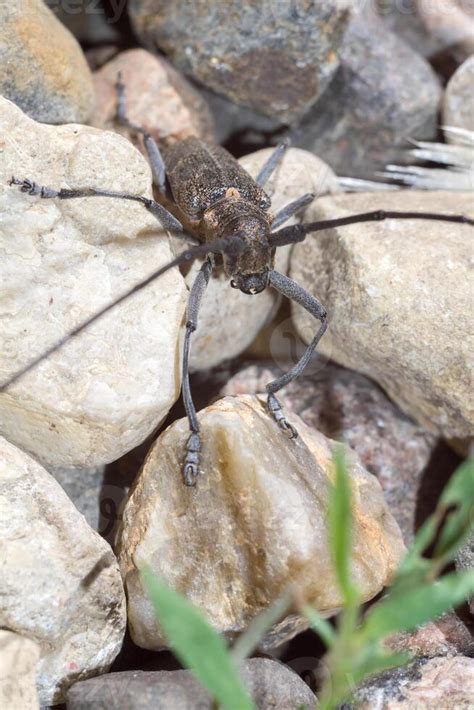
399,309
158,98
272,685
275,58
446,636
370,110
104,392
255,522
345,405
60,585
42,68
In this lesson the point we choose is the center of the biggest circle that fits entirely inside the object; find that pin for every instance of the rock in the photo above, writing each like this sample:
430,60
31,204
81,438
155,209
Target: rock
275,58
424,684
406,22
446,636
83,488
158,98
369,110
18,660
345,405
103,393
458,105
60,584
272,685
399,310
451,24
465,560
229,320
255,522
42,68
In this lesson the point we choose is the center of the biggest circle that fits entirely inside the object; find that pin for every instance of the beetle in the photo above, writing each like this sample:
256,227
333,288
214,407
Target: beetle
204,192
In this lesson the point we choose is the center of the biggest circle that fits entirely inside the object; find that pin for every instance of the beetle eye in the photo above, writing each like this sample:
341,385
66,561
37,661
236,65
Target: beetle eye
233,284
265,202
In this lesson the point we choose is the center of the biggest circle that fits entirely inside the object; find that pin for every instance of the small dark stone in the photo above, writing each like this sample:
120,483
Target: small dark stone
383,94
274,57
272,685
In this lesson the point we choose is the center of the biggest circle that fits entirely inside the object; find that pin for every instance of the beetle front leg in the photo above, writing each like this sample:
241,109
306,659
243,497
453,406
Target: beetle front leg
294,292
193,445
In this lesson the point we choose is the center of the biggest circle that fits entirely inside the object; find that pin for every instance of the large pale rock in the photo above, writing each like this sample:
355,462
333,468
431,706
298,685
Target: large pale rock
42,68
271,684
255,523
458,103
158,98
18,661
105,391
274,57
229,320
399,307
60,585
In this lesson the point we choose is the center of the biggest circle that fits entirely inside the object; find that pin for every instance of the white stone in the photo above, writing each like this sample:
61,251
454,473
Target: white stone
255,523
399,301
18,661
229,319
60,585
61,261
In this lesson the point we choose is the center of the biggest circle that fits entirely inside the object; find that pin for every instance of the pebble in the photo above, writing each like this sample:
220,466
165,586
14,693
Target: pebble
42,67
346,405
458,104
229,320
255,522
275,58
18,661
158,98
399,309
60,584
103,393
272,685
369,111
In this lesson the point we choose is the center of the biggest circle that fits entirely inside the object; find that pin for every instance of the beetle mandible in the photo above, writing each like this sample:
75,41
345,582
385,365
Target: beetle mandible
205,193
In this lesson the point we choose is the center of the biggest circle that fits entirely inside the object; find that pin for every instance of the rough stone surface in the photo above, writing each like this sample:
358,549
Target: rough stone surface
229,320
458,105
345,405
272,685
399,309
405,21
103,393
275,58
446,636
60,584
18,661
42,68
83,487
370,110
158,98
465,560
255,522
444,683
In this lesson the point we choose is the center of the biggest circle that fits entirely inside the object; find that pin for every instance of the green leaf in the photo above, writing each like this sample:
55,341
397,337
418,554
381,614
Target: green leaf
459,493
197,645
406,610
375,661
249,640
322,627
340,526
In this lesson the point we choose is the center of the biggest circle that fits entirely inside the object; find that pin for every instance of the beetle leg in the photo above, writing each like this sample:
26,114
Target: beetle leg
154,155
271,164
193,445
291,208
294,292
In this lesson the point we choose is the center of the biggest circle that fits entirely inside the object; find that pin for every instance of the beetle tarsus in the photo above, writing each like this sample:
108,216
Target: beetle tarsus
275,409
192,459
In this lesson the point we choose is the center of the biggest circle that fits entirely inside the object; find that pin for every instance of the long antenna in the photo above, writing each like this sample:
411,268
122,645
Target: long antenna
185,256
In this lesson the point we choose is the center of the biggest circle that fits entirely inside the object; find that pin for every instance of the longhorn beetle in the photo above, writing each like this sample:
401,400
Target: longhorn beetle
204,192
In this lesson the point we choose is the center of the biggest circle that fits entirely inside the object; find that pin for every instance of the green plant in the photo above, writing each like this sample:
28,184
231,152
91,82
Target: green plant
420,592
